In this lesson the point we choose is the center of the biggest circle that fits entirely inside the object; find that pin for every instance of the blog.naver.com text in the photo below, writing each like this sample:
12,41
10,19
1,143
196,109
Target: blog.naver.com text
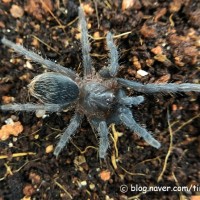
144,189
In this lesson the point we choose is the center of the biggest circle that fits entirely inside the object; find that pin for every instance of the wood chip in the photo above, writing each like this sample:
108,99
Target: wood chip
149,31
157,50
126,4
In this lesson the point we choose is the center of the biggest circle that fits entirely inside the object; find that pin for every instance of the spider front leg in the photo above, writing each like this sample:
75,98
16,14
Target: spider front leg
112,69
132,101
155,88
71,129
102,129
35,57
33,107
127,119
87,63
129,101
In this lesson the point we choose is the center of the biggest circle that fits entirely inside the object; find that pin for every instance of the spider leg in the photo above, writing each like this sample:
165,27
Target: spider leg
155,88
125,100
87,63
135,101
104,141
35,57
103,132
113,68
32,107
127,119
71,129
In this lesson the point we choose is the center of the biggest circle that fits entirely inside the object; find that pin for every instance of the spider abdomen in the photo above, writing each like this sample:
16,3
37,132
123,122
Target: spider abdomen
54,88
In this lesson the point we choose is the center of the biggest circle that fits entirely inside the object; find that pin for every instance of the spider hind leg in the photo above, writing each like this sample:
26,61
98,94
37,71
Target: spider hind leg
29,107
71,129
102,129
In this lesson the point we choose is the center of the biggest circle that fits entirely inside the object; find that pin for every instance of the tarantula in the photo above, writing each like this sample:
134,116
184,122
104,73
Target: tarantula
101,97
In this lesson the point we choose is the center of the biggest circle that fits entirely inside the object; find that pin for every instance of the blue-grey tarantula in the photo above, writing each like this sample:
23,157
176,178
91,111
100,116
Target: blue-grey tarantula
100,96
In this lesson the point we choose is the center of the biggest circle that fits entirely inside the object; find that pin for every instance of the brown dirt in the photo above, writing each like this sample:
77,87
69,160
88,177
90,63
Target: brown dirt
163,40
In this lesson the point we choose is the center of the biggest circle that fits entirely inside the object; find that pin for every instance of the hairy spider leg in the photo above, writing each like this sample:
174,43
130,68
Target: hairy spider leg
113,67
129,101
155,88
127,119
132,101
87,63
103,140
102,129
33,107
113,55
75,122
35,57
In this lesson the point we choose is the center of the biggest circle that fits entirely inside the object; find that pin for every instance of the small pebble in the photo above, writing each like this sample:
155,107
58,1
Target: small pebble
142,72
92,186
16,11
9,121
49,149
83,183
10,144
40,113
105,175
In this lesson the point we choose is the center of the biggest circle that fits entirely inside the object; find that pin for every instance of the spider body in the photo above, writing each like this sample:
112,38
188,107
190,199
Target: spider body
95,99
100,96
